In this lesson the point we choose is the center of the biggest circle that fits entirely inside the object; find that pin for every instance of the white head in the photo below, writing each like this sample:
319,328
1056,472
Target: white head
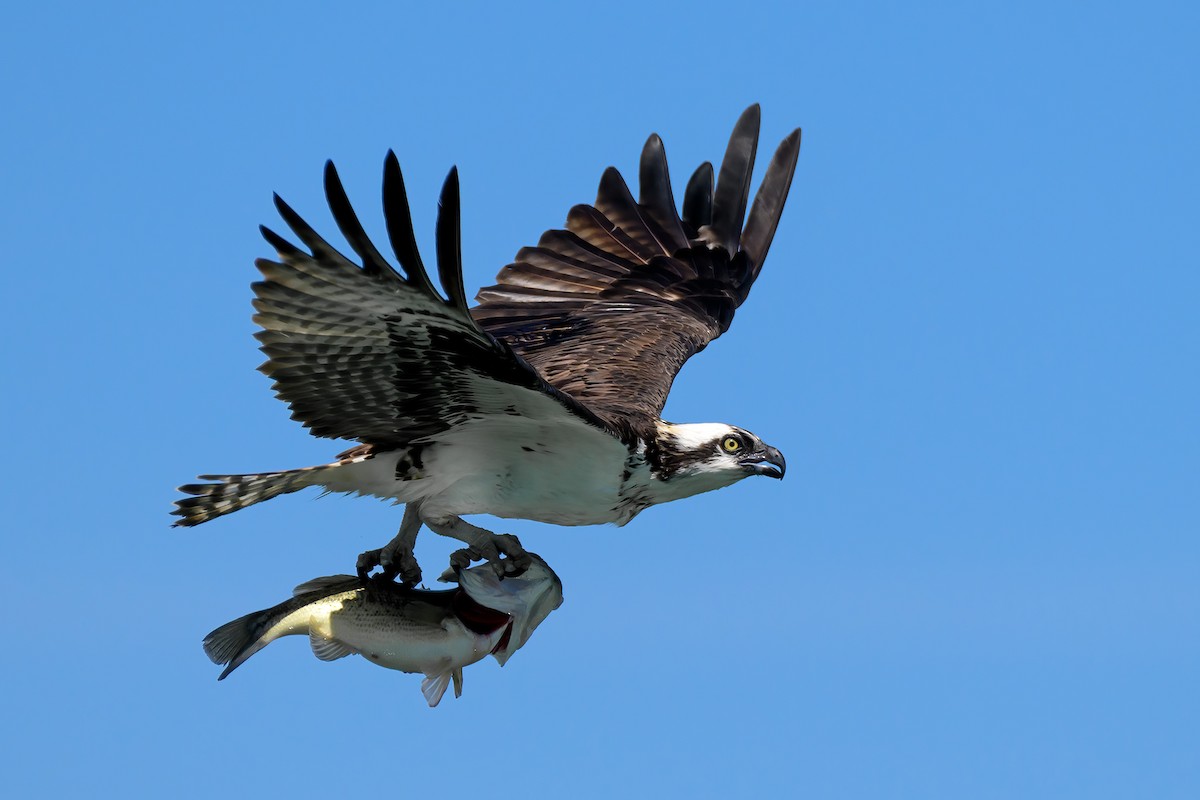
709,455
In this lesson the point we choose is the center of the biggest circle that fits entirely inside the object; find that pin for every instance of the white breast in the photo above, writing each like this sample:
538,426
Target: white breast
563,473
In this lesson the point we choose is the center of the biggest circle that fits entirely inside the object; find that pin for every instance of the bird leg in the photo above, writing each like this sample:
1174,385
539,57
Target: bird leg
396,557
483,545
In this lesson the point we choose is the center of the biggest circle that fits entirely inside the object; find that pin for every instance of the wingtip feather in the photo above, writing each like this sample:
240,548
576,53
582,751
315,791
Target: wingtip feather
698,197
398,220
373,263
449,243
770,200
733,181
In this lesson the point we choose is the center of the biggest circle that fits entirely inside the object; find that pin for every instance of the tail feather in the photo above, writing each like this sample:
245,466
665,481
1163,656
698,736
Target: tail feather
234,492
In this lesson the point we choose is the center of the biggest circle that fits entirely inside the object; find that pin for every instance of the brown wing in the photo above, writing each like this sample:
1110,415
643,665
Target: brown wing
609,309
376,354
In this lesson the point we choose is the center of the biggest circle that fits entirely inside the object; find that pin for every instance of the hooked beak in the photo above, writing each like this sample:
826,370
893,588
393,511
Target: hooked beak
765,463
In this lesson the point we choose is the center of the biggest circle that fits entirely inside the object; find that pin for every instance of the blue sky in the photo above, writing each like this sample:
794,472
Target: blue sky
975,339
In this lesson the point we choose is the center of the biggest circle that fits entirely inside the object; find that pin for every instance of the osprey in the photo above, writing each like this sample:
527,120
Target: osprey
542,402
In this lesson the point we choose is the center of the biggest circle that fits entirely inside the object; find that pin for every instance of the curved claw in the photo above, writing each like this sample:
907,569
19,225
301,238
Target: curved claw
503,552
515,560
461,559
366,562
393,563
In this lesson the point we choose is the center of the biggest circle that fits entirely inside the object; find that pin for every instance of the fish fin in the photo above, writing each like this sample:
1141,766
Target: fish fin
434,686
234,642
323,584
328,649
458,681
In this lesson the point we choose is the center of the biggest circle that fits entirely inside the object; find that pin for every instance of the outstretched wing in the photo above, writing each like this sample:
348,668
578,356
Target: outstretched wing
378,355
609,309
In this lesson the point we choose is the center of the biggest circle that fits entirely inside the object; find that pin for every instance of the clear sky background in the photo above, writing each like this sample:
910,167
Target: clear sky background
976,339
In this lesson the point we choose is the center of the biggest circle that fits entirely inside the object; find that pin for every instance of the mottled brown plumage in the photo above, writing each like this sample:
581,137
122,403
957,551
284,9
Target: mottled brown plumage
609,309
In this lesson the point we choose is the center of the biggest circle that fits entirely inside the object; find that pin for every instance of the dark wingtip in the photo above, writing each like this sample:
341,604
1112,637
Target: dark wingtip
655,195
612,185
749,122
398,220
449,244
449,196
769,202
348,223
653,152
282,246
698,197
733,180
319,247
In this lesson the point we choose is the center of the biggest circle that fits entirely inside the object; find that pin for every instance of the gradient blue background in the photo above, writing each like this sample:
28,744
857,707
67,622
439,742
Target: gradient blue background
975,338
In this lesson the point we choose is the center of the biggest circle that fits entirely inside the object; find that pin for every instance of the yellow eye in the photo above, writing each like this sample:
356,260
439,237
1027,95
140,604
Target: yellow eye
730,444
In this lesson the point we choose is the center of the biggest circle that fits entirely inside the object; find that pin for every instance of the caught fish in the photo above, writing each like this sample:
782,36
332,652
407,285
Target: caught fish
435,633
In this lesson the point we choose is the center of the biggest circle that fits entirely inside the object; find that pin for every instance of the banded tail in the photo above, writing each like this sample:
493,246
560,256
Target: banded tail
234,492
229,493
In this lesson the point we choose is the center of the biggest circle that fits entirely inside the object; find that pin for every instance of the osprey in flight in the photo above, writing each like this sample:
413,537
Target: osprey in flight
542,402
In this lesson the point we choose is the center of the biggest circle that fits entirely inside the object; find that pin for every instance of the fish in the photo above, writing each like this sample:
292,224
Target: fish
435,633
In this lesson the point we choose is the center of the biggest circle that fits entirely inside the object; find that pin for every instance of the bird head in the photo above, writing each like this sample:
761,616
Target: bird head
715,453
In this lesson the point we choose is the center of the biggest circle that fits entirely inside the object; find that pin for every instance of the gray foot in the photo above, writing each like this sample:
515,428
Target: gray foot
513,564
393,562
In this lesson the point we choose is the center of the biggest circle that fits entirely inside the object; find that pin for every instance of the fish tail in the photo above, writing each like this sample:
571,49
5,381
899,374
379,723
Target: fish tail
234,642
229,493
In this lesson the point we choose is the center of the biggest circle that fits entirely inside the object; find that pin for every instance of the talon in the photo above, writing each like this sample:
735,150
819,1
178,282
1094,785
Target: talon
516,560
394,563
368,561
461,559
503,552
405,566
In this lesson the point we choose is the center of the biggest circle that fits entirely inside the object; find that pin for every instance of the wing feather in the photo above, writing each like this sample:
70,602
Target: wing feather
399,226
656,199
347,222
320,248
609,309
698,198
377,354
733,182
618,206
768,203
594,228
449,245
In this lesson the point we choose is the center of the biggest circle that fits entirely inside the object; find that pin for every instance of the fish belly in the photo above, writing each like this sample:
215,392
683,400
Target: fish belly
398,643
